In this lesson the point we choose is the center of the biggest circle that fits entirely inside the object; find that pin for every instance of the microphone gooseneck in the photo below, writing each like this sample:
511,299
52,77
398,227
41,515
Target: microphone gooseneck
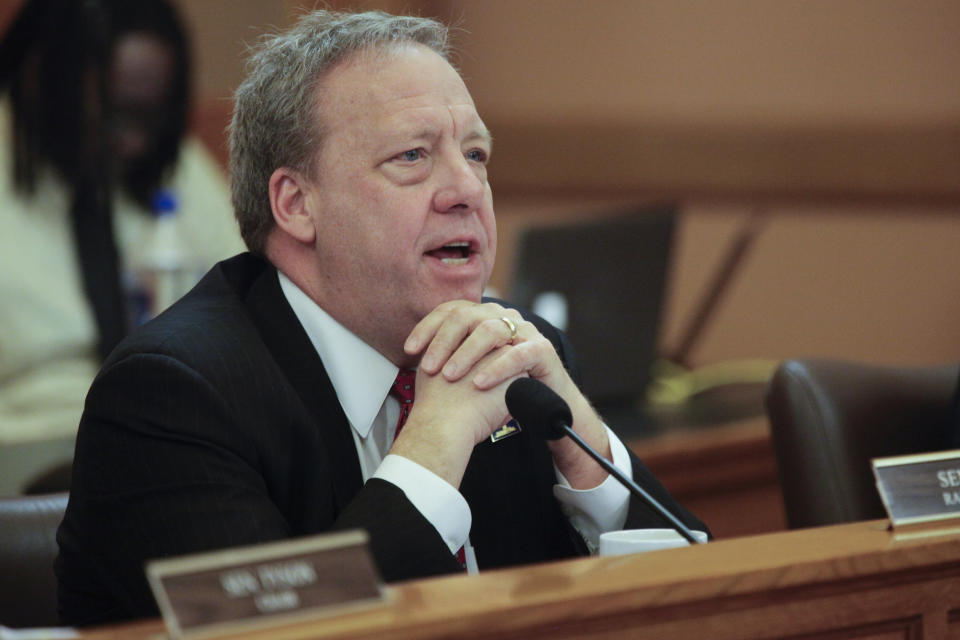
539,408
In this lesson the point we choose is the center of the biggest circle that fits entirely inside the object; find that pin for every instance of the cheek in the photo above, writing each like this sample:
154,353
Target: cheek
398,218
492,248
379,245
489,222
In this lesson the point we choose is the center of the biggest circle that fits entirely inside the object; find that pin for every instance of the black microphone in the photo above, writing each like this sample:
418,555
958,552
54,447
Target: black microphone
539,408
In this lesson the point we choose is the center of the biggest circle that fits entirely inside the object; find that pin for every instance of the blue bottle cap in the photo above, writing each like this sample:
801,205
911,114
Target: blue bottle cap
163,203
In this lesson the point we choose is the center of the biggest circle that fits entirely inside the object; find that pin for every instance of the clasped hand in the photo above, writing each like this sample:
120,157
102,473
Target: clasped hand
469,355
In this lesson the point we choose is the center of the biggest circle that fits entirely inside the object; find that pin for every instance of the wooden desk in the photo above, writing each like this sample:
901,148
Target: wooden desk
846,581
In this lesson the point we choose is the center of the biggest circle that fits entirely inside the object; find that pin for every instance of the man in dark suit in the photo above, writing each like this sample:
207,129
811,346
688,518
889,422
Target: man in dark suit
259,407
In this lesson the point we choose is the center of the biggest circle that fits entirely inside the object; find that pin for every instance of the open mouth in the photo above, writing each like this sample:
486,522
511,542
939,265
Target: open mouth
453,253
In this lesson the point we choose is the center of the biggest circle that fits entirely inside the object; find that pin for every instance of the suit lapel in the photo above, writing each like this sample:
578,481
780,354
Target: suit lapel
297,358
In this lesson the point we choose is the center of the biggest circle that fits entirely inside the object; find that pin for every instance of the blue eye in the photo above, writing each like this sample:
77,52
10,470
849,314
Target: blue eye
411,155
477,155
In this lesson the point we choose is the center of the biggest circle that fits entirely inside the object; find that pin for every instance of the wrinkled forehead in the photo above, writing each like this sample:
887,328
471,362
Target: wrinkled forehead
385,76
382,53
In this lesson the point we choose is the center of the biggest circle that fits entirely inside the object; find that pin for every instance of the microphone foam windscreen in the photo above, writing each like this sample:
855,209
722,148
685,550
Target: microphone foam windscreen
538,407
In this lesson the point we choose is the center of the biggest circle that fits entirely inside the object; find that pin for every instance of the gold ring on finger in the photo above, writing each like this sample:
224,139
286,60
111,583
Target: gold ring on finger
512,327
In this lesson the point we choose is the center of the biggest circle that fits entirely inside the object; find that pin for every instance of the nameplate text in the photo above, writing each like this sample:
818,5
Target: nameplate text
919,488
214,594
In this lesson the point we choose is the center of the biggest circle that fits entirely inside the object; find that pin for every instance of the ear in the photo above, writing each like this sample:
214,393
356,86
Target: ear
289,191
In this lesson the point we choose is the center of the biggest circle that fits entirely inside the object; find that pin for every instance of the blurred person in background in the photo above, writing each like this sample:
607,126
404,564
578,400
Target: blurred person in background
93,135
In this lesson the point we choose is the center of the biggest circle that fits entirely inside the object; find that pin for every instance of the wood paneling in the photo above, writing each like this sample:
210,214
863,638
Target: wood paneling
889,165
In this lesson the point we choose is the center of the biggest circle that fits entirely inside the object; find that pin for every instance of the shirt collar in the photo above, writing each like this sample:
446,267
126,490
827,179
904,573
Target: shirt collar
361,375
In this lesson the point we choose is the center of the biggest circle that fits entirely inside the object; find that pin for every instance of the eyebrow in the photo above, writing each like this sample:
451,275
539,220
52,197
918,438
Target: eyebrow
477,132
481,132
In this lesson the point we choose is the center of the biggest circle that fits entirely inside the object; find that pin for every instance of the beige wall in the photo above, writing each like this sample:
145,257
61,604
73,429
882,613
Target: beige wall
845,281
716,61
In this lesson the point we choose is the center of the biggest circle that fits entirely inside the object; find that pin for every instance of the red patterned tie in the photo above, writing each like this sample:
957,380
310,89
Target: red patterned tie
403,390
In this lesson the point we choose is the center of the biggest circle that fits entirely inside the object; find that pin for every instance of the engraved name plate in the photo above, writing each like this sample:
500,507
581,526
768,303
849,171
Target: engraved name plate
212,594
919,488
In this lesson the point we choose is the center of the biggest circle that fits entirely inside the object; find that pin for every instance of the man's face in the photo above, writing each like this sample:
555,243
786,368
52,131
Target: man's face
399,198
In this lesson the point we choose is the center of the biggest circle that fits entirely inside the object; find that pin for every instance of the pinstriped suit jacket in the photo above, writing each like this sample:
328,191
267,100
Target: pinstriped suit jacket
216,425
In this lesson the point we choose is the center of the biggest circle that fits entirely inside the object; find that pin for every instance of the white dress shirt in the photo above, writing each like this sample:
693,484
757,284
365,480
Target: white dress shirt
362,378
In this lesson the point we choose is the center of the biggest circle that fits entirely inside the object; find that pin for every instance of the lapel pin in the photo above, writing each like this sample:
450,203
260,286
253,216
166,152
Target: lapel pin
511,428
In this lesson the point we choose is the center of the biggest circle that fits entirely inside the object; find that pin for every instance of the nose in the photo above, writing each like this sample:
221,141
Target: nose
461,184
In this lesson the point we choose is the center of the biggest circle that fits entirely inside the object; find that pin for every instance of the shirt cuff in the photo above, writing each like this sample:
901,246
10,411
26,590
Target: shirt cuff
602,508
443,506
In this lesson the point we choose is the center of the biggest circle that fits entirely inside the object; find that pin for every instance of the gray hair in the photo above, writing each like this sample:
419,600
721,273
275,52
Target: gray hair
274,123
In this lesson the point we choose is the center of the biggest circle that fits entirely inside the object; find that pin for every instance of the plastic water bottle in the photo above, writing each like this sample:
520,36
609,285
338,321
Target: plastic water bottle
161,269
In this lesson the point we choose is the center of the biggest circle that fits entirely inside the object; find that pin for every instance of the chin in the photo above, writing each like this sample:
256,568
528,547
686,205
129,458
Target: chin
472,296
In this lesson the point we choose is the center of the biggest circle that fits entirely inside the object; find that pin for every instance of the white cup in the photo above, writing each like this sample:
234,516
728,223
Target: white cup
619,543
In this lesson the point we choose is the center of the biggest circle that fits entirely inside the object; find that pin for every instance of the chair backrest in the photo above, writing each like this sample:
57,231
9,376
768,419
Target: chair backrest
28,546
829,418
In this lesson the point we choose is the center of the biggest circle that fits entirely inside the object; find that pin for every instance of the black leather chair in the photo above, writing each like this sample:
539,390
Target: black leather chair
55,479
28,546
829,418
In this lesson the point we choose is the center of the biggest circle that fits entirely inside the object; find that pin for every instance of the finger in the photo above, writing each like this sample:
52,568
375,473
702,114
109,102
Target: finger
535,357
458,323
427,328
487,336
498,328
